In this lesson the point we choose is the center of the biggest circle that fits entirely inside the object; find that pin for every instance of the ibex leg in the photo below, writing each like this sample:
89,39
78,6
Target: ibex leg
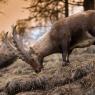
65,52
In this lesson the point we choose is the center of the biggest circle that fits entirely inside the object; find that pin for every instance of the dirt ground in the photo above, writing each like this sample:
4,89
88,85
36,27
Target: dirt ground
82,63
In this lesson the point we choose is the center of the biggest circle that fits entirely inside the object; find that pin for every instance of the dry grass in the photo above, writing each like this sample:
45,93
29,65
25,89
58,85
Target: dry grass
52,67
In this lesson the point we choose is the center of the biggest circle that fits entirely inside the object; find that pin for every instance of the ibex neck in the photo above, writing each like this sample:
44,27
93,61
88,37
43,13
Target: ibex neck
44,46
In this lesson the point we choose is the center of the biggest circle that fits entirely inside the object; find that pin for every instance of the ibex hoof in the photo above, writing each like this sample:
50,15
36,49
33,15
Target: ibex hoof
38,70
65,64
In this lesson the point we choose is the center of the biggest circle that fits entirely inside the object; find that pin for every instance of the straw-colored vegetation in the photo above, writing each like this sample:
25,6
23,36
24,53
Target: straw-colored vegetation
77,78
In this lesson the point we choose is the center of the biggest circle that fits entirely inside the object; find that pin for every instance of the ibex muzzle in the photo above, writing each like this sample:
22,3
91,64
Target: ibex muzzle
65,35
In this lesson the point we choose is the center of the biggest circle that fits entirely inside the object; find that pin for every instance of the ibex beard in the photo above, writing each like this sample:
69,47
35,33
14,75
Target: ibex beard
76,31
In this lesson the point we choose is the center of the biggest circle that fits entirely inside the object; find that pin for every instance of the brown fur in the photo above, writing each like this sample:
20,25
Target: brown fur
65,35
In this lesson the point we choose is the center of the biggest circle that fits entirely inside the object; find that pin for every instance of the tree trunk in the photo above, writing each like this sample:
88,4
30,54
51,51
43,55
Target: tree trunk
66,8
89,5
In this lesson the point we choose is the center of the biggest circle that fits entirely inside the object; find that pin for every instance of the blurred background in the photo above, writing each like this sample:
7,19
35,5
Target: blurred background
37,16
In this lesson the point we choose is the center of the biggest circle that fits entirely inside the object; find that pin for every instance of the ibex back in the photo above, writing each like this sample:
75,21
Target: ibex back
65,35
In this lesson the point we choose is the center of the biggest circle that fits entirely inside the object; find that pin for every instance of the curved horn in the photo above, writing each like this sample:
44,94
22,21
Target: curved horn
8,43
19,45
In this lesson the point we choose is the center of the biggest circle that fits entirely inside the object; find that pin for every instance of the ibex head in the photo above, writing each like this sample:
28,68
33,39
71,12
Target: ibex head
29,56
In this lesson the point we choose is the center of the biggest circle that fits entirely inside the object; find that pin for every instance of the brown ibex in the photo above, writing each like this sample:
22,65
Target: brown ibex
65,35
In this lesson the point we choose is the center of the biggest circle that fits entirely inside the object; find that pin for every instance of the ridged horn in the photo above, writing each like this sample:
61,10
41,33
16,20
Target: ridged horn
8,43
26,55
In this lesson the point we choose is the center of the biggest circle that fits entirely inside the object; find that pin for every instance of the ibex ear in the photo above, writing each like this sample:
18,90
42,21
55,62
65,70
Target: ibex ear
32,51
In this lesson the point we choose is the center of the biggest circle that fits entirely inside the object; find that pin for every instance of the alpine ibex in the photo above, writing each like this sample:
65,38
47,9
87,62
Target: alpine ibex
66,34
